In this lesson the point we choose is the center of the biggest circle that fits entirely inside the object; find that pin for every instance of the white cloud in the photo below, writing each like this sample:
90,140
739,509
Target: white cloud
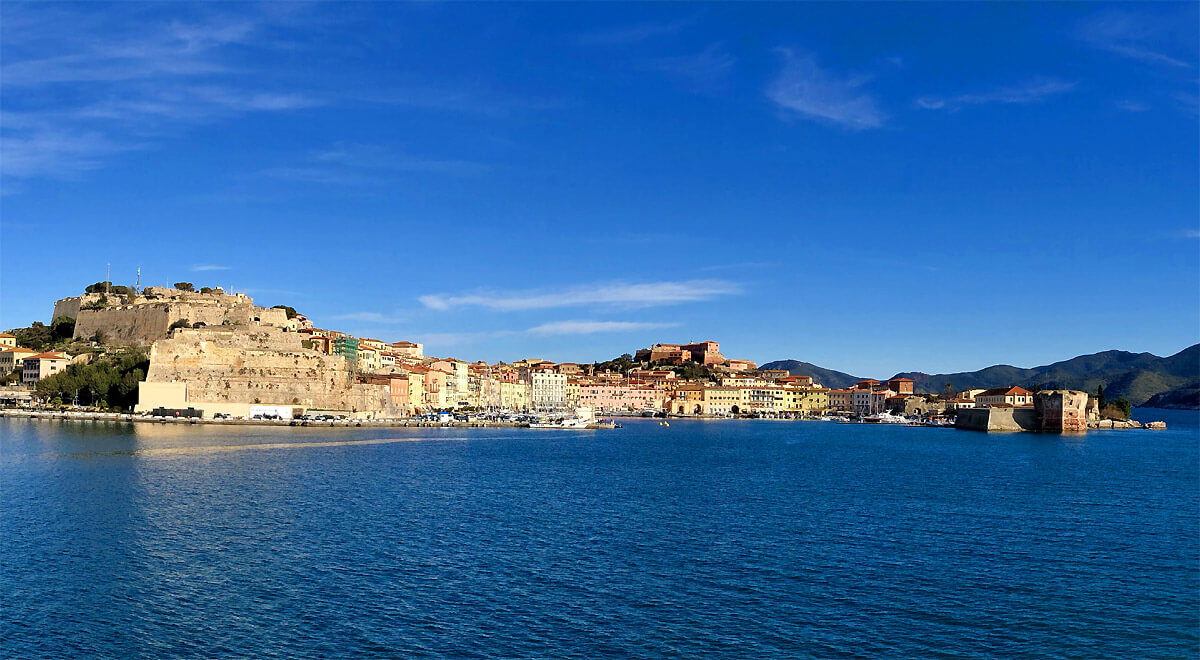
1033,91
592,327
209,267
1136,36
646,294
805,89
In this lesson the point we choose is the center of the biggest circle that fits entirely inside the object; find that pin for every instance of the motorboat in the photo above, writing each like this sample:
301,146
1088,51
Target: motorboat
583,418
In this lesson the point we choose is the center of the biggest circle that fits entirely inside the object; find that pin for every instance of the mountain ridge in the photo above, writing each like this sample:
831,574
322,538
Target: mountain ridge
1138,377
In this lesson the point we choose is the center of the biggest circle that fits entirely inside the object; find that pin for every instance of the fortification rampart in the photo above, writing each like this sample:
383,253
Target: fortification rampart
997,419
264,366
140,320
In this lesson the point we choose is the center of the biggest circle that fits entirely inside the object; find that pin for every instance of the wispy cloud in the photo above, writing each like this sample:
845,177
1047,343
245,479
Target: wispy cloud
805,89
647,294
706,71
1132,106
593,327
1190,233
85,86
624,35
200,268
1034,91
1138,36
351,164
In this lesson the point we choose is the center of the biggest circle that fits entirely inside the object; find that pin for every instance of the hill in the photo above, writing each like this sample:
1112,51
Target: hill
826,377
1138,377
1182,398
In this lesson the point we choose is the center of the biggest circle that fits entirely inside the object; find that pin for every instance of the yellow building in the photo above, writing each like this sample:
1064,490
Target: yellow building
13,358
7,340
368,359
724,400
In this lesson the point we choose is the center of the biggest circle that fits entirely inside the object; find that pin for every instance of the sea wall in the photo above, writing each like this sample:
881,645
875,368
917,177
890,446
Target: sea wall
997,419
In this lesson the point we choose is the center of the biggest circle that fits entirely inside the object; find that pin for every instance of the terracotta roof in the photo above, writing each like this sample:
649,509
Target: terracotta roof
18,349
999,391
5,334
47,356
900,380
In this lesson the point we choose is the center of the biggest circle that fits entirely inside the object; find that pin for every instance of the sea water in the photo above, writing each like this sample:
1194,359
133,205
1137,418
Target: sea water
702,539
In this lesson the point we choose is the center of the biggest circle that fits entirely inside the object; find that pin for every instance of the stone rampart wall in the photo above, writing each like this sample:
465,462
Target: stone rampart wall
263,365
147,321
997,419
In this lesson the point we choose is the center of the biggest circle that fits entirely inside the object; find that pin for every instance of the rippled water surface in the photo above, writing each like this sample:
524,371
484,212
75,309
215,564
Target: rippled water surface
714,539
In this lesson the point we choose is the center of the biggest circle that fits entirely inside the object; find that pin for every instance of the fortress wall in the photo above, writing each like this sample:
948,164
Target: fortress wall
996,419
266,366
149,320
1061,410
127,325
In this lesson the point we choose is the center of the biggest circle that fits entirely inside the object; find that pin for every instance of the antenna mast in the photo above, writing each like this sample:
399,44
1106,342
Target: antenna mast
107,278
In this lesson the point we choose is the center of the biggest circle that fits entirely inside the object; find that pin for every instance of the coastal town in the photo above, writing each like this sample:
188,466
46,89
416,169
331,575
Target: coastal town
218,356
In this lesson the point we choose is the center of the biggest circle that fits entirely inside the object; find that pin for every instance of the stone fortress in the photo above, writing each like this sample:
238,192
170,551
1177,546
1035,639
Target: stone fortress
231,356
139,320
231,369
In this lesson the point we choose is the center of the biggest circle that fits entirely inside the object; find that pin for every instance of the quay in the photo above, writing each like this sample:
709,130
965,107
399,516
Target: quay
82,416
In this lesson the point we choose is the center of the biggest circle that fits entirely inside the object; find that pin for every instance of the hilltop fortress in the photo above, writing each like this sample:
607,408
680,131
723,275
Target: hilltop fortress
139,320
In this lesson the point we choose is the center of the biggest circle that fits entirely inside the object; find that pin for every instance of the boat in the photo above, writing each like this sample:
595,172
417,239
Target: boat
886,418
583,418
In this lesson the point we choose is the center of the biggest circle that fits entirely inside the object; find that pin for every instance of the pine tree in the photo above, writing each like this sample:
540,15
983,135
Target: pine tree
1100,400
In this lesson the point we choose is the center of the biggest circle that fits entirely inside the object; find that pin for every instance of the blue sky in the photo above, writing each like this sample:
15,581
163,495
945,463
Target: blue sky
871,187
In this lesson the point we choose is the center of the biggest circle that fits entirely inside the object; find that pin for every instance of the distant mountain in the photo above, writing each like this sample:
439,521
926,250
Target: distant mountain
1138,377
1182,398
826,377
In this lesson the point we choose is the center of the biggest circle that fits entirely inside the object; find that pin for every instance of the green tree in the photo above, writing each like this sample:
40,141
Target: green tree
1101,402
63,327
37,336
181,323
99,303
206,289
1123,406
184,286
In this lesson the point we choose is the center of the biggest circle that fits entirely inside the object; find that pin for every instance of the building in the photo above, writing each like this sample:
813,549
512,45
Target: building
374,344
368,358
870,401
346,347
901,385
1011,396
740,365
408,349
702,352
841,399
41,365
8,340
11,359
547,389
